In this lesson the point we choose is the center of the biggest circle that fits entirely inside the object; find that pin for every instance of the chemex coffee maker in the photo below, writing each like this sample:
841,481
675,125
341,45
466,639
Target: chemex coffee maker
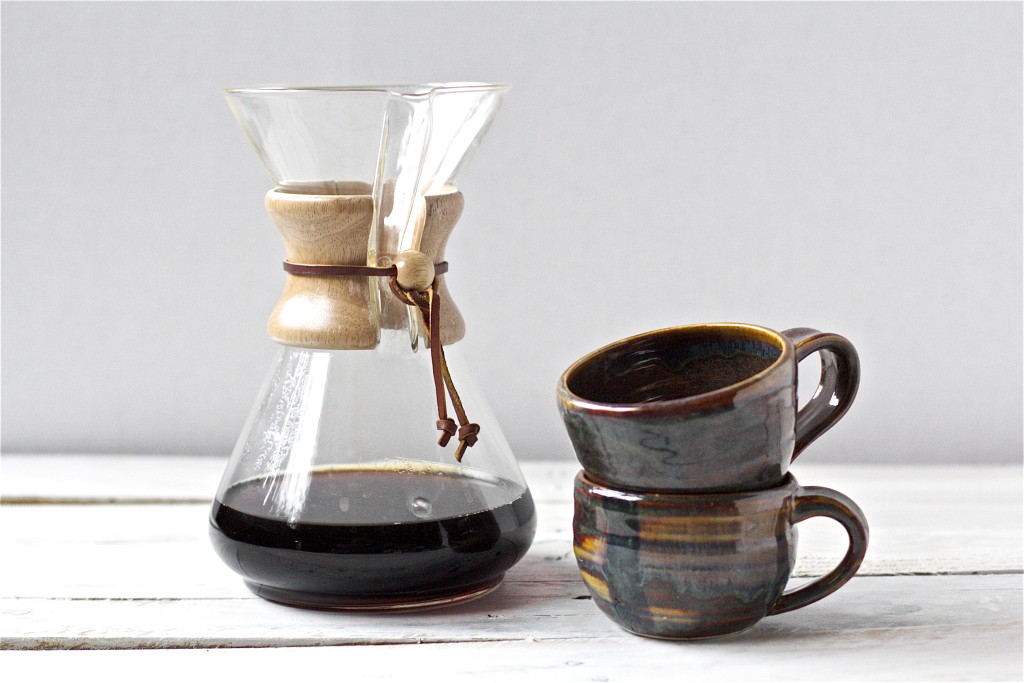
371,473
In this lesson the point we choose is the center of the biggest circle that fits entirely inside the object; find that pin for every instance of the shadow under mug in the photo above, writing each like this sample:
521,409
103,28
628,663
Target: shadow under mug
683,566
703,407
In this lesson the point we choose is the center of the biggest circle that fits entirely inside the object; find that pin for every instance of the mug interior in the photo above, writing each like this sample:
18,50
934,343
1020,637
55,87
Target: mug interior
672,364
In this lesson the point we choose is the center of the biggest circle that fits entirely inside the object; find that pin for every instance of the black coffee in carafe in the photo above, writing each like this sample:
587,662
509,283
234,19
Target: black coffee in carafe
374,538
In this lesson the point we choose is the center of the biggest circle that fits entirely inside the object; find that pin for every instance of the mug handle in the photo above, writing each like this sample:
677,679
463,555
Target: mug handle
837,387
817,501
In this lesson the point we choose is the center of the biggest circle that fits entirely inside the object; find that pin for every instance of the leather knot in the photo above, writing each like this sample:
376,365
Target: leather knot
467,437
448,429
468,433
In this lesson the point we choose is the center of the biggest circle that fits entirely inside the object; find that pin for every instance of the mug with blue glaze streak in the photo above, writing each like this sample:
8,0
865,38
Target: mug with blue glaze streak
703,408
700,565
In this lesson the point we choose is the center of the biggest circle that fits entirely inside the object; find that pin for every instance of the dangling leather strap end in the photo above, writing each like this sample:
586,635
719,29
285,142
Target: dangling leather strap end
467,437
448,430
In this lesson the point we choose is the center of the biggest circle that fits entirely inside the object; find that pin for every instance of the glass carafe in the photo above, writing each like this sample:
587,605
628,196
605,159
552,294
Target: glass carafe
338,494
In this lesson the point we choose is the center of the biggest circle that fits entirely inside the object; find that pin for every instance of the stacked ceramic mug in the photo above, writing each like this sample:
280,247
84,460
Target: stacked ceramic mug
685,508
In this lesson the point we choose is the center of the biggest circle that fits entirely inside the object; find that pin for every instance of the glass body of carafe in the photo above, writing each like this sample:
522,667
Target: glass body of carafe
338,494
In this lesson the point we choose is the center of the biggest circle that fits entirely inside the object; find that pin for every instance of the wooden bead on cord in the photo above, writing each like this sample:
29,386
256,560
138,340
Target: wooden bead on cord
415,271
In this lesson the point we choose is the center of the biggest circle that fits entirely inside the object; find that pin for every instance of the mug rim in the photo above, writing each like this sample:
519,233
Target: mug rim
598,489
722,396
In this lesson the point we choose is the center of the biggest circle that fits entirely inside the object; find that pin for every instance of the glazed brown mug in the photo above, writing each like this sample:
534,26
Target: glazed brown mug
686,566
702,407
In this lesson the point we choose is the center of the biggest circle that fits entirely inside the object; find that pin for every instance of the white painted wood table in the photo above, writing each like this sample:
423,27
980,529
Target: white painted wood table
109,554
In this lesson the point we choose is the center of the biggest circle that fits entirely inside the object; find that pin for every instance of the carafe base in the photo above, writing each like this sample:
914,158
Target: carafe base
376,603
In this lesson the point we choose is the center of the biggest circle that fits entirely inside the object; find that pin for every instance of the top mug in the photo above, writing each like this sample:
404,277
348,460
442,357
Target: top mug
703,408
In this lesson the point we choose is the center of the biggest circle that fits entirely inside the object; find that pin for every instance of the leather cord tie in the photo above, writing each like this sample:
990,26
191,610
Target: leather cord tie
413,280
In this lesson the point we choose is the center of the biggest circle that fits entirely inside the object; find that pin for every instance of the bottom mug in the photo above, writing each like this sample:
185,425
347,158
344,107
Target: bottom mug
683,566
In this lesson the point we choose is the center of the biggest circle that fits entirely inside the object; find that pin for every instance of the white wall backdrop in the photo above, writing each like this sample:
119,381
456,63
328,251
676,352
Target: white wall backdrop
850,167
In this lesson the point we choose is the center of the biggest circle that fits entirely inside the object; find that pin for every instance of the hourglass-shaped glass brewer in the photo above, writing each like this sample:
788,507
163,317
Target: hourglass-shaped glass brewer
338,494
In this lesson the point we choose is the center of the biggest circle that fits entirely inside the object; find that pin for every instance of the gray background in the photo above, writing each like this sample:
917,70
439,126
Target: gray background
851,167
